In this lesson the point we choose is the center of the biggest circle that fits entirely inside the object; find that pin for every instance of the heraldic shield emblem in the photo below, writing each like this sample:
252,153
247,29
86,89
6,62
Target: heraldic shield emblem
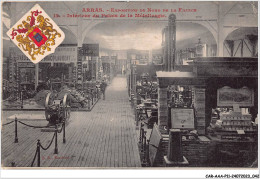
36,34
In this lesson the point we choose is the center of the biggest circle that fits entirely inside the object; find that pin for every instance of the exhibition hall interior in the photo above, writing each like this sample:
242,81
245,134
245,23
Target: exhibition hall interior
134,85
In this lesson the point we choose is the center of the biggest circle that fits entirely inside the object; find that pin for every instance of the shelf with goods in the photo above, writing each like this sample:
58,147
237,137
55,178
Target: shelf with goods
236,121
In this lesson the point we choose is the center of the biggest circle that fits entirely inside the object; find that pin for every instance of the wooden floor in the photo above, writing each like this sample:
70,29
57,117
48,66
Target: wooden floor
104,137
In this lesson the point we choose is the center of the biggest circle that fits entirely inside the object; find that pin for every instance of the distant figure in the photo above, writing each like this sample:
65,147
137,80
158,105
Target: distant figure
123,70
103,86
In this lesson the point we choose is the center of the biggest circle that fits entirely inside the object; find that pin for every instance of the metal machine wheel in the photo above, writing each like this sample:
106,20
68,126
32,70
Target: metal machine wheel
47,103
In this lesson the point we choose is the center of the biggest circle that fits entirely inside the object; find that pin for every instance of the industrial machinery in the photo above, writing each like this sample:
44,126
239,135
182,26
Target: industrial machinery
57,108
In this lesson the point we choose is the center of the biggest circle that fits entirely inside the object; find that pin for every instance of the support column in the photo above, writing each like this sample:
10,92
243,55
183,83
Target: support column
134,83
17,81
97,68
172,42
36,75
79,55
79,66
92,67
220,40
199,106
162,110
110,67
130,81
165,49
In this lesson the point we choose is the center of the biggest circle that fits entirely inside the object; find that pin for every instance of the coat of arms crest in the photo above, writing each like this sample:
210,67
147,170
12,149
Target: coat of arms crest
36,34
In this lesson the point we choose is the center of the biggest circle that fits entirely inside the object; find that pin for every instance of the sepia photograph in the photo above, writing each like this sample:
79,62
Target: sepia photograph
129,85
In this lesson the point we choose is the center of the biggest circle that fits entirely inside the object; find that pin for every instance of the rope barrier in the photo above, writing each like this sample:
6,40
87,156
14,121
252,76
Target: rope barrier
34,157
35,126
7,123
49,144
39,145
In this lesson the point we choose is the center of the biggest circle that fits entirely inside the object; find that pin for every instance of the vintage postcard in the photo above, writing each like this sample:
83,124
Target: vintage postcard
130,85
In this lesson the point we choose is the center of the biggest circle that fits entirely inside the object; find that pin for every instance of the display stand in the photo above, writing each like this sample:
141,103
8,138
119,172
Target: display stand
175,156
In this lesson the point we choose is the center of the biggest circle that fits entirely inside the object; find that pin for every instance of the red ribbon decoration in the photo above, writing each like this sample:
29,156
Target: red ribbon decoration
32,23
33,18
13,34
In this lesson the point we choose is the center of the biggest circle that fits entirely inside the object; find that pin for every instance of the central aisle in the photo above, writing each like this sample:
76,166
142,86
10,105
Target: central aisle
104,137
